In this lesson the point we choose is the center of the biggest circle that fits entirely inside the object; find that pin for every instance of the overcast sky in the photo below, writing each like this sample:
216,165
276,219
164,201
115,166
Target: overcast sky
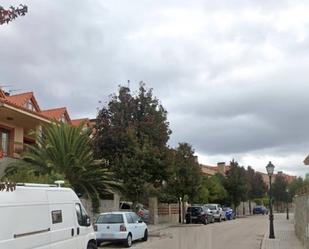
233,75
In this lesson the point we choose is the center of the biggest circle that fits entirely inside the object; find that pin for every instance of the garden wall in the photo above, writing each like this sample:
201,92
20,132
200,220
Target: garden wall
301,216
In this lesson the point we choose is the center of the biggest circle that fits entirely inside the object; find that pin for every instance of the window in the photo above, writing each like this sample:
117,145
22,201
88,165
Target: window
135,217
79,214
63,119
129,218
56,216
29,105
4,141
110,219
82,215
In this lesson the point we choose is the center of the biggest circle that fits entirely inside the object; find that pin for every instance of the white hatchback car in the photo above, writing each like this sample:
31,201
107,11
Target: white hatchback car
120,227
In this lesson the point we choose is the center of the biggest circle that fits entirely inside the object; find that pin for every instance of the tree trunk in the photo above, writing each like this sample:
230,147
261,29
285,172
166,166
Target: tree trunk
250,208
183,211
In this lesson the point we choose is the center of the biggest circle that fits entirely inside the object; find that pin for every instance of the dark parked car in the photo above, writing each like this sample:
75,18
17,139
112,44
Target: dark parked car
260,210
197,214
229,213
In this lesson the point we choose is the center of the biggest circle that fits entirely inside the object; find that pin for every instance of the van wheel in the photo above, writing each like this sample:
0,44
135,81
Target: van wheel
128,242
145,238
92,245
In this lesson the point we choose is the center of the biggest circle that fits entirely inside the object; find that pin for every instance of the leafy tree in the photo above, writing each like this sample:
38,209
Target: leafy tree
186,179
256,186
132,132
294,186
279,188
203,194
236,184
216,190
8,15
64,150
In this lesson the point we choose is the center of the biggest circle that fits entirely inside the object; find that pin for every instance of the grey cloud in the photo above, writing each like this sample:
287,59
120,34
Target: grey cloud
229,90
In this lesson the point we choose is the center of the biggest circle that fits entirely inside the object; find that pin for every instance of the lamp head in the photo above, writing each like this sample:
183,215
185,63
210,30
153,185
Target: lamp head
270,169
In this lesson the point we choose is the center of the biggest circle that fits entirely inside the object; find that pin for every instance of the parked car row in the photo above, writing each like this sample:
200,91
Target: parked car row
208,213
54,217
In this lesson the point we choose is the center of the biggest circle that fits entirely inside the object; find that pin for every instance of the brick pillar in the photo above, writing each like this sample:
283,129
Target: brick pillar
153,210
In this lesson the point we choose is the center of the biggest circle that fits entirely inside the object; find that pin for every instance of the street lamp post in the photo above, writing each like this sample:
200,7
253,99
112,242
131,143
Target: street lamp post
287,203
270,170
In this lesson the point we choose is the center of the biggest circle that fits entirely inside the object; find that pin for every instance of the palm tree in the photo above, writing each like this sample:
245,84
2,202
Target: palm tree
65,150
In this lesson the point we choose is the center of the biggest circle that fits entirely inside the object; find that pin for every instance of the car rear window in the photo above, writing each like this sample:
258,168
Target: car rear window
110,219
212,207
190,209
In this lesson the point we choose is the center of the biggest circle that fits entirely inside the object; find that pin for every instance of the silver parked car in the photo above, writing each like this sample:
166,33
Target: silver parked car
217,211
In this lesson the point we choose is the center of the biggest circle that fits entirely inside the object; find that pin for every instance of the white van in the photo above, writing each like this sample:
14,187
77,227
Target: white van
44,217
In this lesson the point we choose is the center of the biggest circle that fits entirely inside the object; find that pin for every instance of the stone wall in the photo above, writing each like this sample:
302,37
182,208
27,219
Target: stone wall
105,206
301,216
244,208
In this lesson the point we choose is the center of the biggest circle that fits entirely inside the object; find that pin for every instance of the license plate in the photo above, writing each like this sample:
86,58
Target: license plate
107,235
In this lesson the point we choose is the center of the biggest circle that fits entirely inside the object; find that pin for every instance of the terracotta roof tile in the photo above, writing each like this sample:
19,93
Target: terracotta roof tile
20,99
55,113
77,122
5,101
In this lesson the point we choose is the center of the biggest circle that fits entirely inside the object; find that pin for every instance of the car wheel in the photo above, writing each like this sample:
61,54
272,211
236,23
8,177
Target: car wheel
145,238
92,245
128,242
205,221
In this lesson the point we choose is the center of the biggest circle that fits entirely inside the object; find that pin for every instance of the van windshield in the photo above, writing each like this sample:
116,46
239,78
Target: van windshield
110,219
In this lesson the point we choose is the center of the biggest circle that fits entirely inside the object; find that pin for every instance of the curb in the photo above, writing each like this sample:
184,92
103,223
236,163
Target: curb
160,228
262,245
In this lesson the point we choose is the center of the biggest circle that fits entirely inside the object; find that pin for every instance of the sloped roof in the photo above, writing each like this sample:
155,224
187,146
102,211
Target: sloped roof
22,98
77,122
19,101
56,113
7,102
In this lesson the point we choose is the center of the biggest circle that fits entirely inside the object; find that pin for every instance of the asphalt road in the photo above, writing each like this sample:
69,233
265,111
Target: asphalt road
242,233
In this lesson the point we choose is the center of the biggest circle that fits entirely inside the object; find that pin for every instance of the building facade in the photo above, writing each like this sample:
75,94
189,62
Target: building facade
222,168
21,120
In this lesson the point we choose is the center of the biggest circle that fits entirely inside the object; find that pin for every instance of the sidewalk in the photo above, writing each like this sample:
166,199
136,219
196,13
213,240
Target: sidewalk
158,227
285,237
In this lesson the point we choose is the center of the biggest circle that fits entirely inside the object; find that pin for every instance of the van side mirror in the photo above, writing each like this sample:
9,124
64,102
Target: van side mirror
87,221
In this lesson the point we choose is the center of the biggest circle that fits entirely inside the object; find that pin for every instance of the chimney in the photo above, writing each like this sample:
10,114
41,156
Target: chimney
221,168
